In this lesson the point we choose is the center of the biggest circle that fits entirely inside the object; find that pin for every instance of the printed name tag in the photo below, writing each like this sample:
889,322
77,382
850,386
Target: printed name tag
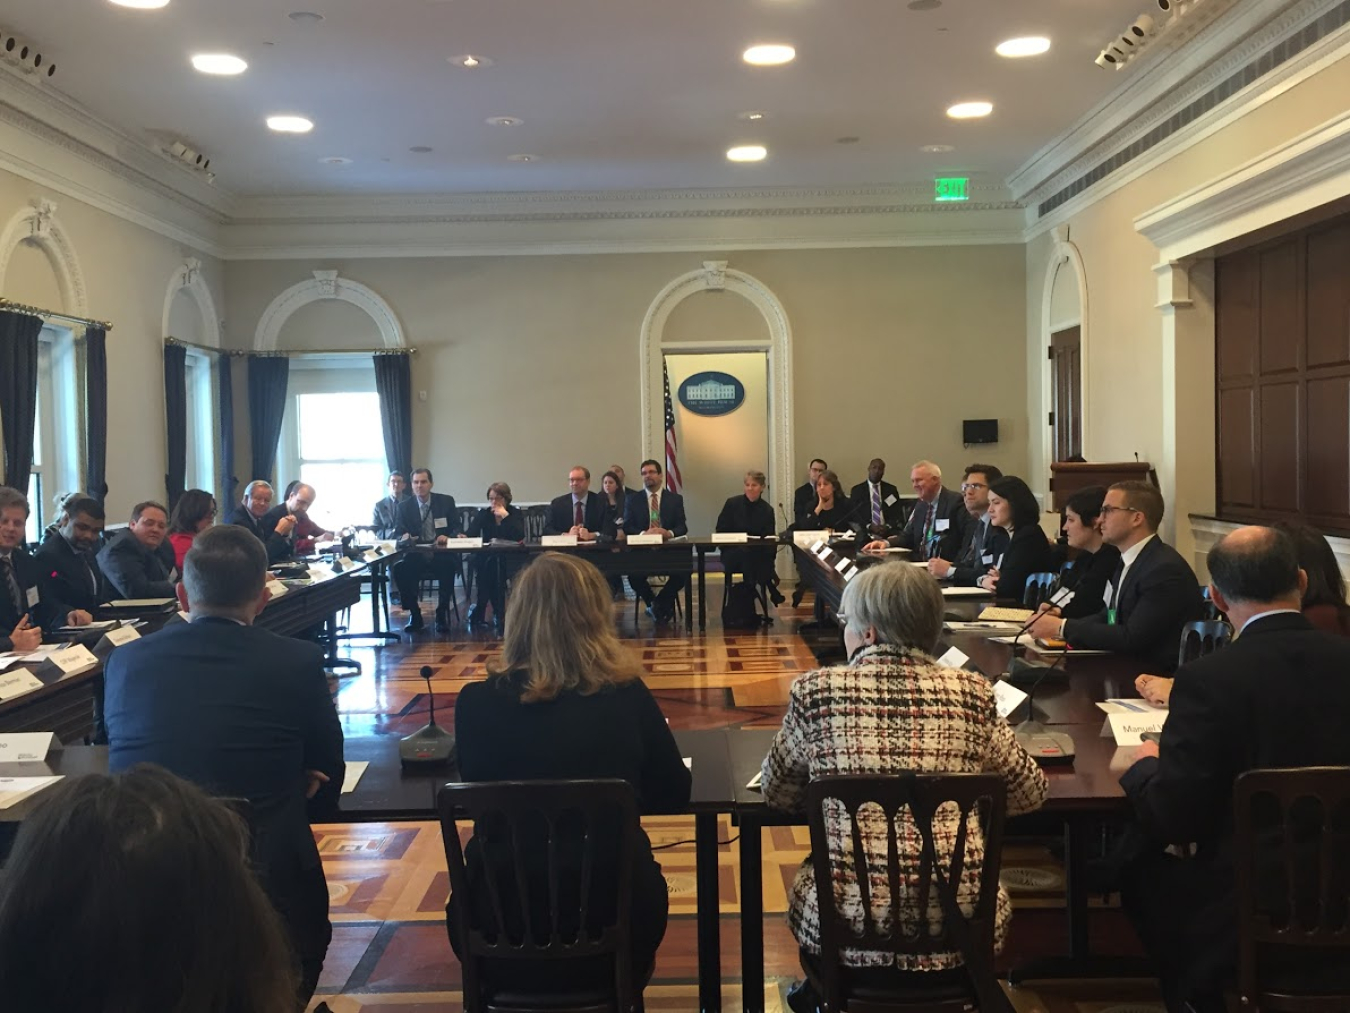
33,597
558,541
370,555
173,575
987,559
25,747
645,539
1127,728
17,684
276,587
122,635
954,658
843,564
71,659
463,543
730,538
890,500
438,523
943,524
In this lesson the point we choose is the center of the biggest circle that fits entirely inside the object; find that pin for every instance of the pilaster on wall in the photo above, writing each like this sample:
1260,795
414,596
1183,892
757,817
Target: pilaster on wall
1187,469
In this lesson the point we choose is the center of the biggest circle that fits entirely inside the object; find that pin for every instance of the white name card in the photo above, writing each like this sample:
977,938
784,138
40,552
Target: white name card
463,543
320,573
385,548
730,538
275,587
24,747
954,658
72,658
645,540
371,555
843,564
1007,698
185,616
1127,728
122,635
560,541
850,573
805,539
18,683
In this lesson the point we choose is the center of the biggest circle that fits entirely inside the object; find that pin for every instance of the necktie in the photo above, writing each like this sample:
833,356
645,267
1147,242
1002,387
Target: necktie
654,509
876,504
1117,579
577,518
88,572
12,583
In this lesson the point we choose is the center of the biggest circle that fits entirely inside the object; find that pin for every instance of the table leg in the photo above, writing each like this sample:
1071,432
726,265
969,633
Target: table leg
702,589
707,888
752,914
375,599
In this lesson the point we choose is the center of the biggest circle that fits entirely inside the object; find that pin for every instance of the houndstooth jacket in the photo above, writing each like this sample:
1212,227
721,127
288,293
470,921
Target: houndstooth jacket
891,710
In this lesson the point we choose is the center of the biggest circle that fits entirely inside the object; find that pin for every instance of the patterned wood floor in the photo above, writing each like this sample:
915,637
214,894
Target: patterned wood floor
388,883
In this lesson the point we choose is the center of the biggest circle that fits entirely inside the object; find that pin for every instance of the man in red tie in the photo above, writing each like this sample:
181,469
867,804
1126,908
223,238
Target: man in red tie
578,512
656,511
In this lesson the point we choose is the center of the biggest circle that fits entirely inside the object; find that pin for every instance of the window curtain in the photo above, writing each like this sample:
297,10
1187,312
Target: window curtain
393,381
96,412
225,395
175,415
267,378
18,393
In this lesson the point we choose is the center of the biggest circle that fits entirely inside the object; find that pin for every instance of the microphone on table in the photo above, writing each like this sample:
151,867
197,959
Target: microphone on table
431,744
1019,669
1044,746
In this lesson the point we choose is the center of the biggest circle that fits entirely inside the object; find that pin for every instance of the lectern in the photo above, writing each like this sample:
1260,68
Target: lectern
1067,477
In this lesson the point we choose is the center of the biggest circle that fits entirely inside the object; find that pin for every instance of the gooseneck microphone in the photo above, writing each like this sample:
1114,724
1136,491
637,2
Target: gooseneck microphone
1044,746
431,744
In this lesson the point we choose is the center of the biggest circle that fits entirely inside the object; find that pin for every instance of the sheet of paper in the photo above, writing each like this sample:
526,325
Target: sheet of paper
138,603
15,789
355,768
954,658
24,747
88,627
1007,698
755,782
981,627
1118,705
1128,727
40,653
965,592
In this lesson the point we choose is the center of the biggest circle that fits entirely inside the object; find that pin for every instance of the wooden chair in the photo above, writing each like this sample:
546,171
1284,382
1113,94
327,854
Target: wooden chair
981,797
1038,589
1203,637
536,519
573,842
1292,852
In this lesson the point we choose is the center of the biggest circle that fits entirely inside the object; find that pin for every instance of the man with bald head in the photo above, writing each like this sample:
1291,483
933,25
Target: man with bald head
291,520
1277,696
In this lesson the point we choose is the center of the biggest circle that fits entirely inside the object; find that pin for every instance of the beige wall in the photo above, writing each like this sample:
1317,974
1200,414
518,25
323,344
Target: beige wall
532,363
126,270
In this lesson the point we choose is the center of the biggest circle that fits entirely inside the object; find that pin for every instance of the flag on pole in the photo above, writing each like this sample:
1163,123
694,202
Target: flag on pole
673,480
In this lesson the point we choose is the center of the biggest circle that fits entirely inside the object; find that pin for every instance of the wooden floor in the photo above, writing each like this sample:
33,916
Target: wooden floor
388,883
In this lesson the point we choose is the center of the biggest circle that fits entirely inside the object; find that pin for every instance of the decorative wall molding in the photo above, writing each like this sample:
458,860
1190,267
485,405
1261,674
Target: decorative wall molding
327,285
717,276
39,225
1174,284
1308,171
188,277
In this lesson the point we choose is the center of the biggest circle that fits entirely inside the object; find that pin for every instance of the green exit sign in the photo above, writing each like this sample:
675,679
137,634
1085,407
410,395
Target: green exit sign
951,188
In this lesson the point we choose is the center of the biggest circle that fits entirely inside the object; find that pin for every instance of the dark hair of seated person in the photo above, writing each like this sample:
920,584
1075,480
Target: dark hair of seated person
1324,600
133,893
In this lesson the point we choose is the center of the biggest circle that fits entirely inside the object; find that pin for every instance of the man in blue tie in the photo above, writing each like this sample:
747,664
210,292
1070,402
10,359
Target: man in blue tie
878,501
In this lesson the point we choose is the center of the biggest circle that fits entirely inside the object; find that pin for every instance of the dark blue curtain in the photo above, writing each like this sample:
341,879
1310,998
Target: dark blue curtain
225,378
393,381
96,412
18,393
175,415
267,378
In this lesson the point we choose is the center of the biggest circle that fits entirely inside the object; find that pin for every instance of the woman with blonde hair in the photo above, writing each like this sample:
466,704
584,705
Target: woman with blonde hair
567,701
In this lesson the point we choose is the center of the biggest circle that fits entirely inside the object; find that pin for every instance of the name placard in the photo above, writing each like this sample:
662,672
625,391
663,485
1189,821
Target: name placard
370,555
18,683
645,540
1127,728
275,587
843,564
463,543
804,539
730,538
1007,698
560,541
385,548
318,573
25,747
114,639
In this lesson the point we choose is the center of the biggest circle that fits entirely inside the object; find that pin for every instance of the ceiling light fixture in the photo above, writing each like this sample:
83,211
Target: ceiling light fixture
223,64
747,153
504,121
289,124
970,110
141,5
769,55
469,61
1014,49
753,116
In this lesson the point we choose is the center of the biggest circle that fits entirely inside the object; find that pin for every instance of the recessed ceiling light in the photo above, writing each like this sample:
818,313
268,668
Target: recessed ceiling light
289,124
753,116
771,55
305,17
421,149
1033,45
471,62
970,110
504,121
522,158
218,63
141,5
937,149
336,160
747,153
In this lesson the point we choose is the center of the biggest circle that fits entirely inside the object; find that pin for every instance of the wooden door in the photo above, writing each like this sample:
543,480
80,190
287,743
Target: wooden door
1066,415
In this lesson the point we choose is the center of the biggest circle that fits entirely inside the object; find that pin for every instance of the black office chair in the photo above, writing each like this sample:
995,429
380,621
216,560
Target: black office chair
569,846
1038,589
1292,852
1203,637
978,798
536,519
1211,610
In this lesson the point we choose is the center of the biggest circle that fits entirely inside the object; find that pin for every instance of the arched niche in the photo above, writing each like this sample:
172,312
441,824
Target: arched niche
37,229
189,309
326,285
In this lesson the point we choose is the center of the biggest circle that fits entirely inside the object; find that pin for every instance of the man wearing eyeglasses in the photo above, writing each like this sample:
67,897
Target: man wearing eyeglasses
985,542
1152,594
939,525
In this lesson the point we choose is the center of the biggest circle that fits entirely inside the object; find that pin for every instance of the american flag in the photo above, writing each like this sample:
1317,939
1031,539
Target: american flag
673,480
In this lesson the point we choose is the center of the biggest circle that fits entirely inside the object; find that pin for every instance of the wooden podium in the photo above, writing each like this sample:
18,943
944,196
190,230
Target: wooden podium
1067,477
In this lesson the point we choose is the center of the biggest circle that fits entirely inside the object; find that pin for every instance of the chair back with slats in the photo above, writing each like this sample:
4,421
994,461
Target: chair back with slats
536,519
1038,589
1203,637
1292,851
1211,610
979,799
552,880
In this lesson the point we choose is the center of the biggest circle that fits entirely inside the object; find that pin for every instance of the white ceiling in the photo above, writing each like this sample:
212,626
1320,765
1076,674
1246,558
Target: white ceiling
615,94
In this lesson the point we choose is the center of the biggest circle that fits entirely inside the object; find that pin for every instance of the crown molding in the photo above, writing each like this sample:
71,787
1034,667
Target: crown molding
1231,39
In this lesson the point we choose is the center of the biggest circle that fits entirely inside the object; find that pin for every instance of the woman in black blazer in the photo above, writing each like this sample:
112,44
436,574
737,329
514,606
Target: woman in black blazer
612,499
832,508
750,514
1096,561
567,701
498,521
1013,508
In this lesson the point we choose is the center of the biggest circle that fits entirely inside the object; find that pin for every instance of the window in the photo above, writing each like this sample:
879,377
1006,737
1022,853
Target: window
58,457
201,423
332,438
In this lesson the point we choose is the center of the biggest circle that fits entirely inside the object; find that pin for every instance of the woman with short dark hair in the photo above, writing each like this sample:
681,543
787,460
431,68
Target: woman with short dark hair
194,512
750,514
501,522
1013,507
1096,562
1324,600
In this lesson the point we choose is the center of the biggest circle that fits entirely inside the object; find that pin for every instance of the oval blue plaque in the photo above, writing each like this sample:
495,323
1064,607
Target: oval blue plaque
712,393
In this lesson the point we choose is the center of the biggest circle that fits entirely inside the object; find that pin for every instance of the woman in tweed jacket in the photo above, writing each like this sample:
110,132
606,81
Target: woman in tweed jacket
892,708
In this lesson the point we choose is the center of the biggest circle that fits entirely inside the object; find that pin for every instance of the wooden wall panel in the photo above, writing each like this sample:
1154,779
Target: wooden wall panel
1328,304
1278,459
1328,454
1238,314
1237,447
1281,308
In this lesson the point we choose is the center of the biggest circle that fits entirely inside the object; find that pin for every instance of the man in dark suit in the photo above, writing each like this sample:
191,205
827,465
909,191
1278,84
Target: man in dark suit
250,512
1153,594
291,520
384,520
878,502
426,518
27,604
804,498
938,526
68,555
242,713
579,512
1277,696
656,511
985,543
137,561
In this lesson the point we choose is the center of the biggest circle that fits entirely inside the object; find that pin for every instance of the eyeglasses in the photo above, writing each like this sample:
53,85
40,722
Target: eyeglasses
1108,509
969,486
